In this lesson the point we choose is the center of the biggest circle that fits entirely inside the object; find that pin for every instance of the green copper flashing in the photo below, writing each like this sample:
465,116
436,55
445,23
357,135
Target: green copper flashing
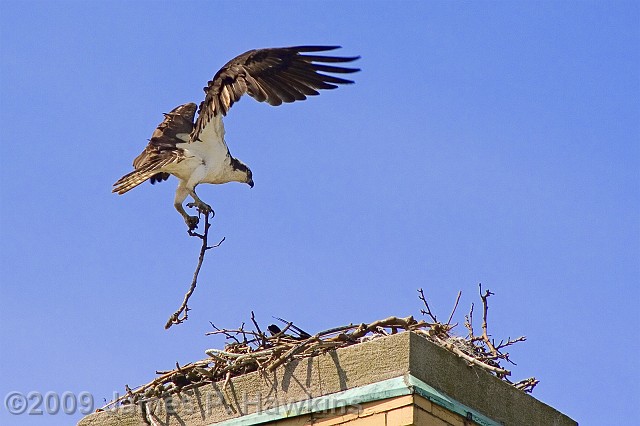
349,401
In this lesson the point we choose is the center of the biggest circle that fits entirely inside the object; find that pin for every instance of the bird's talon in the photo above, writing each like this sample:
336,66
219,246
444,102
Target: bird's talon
202,207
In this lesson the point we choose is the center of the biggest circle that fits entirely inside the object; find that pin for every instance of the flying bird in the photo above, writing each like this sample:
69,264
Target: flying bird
197,152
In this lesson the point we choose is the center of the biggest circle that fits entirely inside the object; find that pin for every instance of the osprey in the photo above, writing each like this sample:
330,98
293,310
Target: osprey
197,153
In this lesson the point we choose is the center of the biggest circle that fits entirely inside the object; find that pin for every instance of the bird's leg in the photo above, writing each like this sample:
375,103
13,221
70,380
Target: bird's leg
199,204
181,194
190,186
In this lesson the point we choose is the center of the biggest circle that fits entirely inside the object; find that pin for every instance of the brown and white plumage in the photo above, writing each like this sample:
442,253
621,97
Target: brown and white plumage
197,153
161,150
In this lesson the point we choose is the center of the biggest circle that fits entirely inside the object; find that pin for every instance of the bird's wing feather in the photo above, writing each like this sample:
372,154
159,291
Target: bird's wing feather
174,129
161,150
274,76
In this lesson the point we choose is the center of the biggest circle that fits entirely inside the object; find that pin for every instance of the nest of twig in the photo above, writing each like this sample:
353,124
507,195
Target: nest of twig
249,350
480,350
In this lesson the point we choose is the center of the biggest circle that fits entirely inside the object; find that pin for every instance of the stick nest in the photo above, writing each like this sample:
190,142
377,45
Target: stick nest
249,350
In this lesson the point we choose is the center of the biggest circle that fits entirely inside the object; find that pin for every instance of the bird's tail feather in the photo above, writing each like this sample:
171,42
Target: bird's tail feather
129,181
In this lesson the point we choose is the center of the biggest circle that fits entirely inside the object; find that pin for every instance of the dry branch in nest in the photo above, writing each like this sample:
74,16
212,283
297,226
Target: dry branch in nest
480,350
182,313
249,350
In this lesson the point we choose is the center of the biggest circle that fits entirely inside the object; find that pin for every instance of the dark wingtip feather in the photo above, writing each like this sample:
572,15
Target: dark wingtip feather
334,69
313,48
320,58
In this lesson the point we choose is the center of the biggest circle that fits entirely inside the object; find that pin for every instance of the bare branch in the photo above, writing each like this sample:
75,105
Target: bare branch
181,314
259,332
468,322
474,360
455,306
485,309
526,385
426,304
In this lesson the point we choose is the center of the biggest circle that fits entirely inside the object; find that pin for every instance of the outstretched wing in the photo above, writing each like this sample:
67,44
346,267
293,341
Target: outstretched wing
161,150
274,75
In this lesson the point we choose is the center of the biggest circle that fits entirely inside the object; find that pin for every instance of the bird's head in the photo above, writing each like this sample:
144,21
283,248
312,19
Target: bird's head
242,173
249,180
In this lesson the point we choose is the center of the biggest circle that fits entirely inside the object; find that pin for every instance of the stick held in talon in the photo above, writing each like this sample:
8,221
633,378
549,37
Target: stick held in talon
181,314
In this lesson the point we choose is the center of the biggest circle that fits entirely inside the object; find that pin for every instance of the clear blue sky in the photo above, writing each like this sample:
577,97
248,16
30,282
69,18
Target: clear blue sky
493,142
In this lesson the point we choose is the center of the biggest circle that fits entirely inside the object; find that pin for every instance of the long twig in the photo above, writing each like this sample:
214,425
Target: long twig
485,309
255,323
468,322
426,304
473,360
181,314
455,306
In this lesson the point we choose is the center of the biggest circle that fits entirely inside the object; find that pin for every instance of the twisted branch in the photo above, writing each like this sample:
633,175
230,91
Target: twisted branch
181,314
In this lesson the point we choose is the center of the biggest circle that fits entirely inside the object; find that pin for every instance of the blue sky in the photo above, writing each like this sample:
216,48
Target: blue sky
493,142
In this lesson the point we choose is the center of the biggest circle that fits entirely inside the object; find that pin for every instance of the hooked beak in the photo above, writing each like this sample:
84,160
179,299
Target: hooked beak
250,183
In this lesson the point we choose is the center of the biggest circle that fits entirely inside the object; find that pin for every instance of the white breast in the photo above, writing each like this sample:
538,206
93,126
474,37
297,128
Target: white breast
209,152
211,146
